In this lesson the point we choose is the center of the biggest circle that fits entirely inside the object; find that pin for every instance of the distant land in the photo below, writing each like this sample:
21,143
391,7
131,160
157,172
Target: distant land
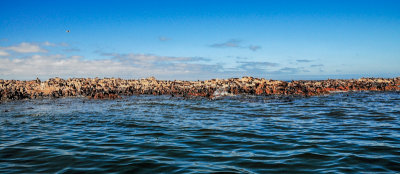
112,88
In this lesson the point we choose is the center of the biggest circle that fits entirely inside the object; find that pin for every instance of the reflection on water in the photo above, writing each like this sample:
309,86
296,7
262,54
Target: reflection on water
344,132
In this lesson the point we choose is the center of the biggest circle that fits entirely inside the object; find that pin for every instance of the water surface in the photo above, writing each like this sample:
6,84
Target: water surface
343,132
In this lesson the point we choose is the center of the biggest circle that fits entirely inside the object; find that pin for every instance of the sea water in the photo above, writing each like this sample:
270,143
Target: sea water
341,132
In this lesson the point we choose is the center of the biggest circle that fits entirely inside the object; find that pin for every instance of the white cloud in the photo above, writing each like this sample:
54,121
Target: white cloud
49,44
3,53
150,60
63,44
59,65
256,66
29,66
254,47
317,65
304,61
25,47
134,66
235,43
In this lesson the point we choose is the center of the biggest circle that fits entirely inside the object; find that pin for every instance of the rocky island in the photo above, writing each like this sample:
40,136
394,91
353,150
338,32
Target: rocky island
112,88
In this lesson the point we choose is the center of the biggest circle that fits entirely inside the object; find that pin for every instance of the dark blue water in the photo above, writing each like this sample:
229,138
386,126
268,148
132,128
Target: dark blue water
344,132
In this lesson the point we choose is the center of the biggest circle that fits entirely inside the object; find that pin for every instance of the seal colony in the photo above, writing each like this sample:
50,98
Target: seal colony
112,88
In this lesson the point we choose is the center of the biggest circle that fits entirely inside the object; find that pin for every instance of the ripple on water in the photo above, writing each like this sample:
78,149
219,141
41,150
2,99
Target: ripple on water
352,132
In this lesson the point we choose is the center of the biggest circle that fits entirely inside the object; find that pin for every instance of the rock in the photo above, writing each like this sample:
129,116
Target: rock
112,88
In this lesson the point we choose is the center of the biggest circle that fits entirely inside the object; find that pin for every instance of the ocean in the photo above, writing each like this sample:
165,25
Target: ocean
337,133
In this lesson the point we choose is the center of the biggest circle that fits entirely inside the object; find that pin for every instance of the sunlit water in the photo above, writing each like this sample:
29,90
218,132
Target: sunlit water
344,132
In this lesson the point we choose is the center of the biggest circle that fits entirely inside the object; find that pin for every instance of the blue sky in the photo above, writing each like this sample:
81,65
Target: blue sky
193,40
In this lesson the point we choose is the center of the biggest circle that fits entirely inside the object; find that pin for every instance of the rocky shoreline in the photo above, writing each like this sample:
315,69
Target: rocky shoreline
112,88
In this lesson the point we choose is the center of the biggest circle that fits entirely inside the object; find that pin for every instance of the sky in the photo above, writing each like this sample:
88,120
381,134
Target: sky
198,40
